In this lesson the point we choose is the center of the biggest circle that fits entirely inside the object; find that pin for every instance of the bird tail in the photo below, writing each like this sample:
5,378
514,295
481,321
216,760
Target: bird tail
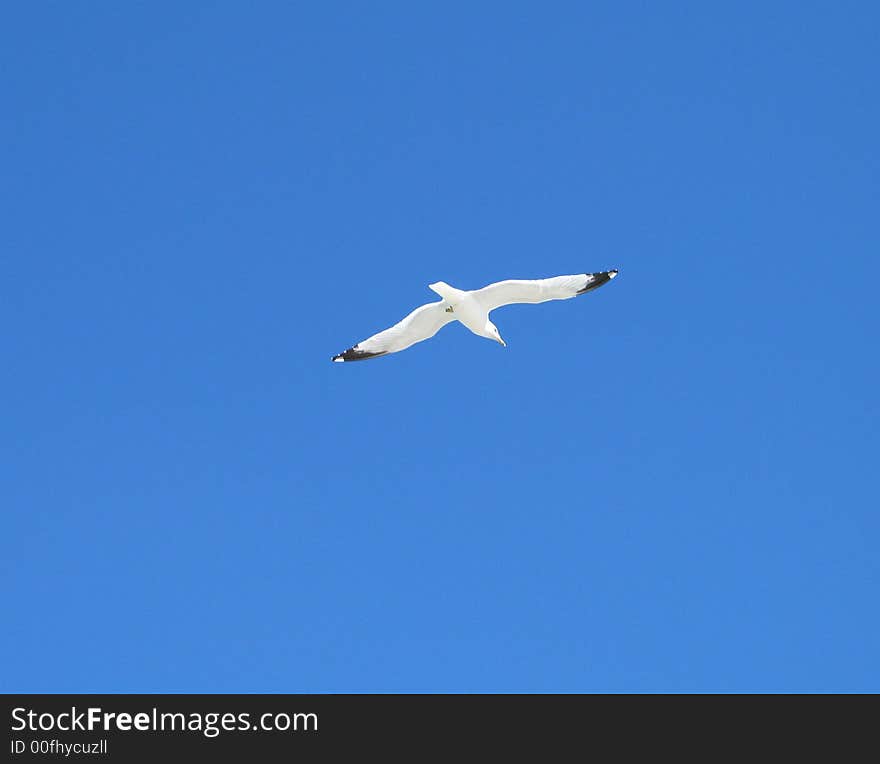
443,289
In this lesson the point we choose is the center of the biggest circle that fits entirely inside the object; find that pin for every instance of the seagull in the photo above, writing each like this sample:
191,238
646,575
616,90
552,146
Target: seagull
472,308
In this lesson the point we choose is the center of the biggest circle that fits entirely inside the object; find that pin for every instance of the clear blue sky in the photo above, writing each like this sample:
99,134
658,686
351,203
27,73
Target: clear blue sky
668,484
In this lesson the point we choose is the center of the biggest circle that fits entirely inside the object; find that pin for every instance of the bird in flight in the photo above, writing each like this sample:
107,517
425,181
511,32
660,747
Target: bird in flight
471,308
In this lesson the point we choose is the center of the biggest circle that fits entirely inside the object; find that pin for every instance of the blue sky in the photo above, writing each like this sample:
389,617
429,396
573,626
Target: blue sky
669,484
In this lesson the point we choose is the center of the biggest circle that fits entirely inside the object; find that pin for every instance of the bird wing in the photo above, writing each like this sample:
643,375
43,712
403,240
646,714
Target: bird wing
422,324
540,290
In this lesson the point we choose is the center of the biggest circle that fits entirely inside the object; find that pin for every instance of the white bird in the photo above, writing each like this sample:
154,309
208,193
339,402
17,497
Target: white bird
471,308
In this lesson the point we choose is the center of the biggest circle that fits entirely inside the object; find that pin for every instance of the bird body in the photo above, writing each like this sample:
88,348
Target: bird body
465,308
472,309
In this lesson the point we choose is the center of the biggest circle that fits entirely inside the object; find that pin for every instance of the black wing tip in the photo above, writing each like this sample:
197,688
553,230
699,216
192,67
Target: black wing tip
597,279
353,354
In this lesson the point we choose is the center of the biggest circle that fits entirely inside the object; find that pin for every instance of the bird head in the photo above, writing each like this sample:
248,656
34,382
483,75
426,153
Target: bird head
493,334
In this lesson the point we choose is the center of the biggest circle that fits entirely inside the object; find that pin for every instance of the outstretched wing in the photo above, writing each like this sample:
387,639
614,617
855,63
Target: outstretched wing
540,290
422,324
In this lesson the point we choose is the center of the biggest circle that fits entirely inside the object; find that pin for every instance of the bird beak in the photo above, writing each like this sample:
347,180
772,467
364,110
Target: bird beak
502,342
